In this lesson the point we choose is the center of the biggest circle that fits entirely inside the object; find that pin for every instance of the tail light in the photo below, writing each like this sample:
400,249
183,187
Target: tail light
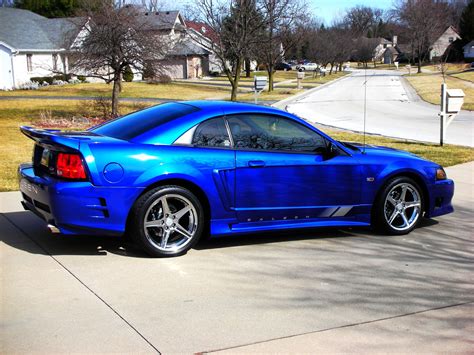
70,166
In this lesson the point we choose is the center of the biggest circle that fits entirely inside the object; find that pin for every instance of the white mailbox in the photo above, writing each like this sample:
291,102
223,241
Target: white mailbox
259,82
455,99
300,75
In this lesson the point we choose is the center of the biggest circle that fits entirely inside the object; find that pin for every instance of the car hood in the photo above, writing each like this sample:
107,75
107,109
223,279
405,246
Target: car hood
383,151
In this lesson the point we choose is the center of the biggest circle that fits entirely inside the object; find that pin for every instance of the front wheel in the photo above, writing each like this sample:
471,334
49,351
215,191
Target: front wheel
167,221
398,207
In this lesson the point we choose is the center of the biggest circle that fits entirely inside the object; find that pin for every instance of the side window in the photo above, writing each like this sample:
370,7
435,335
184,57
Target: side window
273,133
211,133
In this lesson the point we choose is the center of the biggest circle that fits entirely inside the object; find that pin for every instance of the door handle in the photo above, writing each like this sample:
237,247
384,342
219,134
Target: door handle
256,163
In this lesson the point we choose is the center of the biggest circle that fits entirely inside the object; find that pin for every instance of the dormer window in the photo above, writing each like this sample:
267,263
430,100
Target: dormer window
203,29
451,39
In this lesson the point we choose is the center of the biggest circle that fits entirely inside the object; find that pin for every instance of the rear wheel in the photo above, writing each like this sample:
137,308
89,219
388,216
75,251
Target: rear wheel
167,221
399,206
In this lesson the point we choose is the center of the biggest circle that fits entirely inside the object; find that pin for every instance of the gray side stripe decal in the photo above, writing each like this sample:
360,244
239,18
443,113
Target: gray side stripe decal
328,212
342,211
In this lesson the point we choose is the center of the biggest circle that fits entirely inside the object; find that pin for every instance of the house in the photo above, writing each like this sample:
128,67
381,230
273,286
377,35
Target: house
32,45
439,48
185,58
468,51
205,37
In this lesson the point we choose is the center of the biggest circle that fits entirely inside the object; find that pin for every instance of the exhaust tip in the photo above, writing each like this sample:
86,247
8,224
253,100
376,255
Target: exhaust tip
53,229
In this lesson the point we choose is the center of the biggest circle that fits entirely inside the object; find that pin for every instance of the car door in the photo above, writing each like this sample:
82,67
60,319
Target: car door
283,172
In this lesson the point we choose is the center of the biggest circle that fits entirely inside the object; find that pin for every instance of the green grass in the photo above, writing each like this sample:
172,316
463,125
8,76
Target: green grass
467,75
429,87
172,91
16,148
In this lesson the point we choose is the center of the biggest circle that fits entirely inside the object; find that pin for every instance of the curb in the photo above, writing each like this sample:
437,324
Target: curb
283,103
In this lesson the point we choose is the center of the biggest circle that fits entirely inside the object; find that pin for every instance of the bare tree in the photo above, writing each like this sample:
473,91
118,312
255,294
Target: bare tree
364,20
364,49
425,20
235,28
115,39
285,23
331,46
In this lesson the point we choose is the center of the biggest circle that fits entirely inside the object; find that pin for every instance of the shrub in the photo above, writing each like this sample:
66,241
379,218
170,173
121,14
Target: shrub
62,77
160,79
128,74
149,71
81,78
103,106
42,79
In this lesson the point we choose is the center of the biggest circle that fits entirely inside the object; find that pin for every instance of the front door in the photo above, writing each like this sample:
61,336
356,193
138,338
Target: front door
282,173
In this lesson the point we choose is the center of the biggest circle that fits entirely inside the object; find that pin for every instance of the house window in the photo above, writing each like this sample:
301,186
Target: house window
451,39
29,62
55,62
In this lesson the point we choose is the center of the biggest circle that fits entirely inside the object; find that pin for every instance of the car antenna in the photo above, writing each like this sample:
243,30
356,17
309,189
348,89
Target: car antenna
365,106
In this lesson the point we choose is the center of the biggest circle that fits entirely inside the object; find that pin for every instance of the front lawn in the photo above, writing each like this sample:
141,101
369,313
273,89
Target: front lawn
16,148
172,91
428,86
467,75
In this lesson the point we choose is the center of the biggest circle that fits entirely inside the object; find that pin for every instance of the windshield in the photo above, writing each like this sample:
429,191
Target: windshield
137,123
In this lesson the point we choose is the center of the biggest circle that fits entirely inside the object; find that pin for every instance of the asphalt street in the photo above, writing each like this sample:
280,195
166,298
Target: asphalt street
393,108
324,290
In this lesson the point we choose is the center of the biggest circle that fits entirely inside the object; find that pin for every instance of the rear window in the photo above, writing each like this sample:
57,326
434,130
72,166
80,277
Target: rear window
136,123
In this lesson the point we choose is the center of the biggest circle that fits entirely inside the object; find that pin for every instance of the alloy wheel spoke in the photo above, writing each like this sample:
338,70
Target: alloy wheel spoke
181,230
182,212
165,206
391,200
156,223
405,219
404,193
164,238
412,204
393,216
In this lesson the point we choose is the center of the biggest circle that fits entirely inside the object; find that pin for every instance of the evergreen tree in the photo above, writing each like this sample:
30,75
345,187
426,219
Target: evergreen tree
466,25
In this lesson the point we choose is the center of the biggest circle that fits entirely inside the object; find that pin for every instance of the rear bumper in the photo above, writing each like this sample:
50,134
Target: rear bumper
441,195
76,207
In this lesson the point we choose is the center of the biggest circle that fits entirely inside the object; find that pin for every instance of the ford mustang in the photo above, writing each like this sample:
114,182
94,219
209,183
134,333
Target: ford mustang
168,174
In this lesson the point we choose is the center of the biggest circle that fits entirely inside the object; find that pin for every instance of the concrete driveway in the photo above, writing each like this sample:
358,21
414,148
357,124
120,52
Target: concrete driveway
318,291
393,109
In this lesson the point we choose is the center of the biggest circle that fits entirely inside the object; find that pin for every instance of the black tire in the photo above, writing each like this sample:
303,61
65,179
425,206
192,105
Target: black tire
150,207
386,207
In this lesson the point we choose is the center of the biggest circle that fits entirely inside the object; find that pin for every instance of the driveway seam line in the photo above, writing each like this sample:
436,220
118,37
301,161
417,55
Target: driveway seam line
80,281
338,327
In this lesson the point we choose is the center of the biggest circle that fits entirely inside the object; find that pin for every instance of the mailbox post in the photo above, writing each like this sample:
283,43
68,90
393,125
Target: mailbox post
299,79
259,83
451,103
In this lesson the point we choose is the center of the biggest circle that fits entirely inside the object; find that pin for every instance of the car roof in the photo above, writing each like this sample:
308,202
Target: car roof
230,106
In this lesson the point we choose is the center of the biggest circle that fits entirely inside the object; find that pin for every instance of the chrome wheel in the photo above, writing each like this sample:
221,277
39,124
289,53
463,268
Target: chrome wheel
170,223
402,207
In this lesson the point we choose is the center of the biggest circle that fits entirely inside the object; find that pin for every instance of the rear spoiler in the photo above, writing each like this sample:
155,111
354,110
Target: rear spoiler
50,137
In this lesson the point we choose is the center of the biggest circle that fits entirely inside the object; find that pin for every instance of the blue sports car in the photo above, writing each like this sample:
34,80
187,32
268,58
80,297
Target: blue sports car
170,173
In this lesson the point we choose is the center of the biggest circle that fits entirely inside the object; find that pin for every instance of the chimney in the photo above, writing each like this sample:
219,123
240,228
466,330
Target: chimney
394,40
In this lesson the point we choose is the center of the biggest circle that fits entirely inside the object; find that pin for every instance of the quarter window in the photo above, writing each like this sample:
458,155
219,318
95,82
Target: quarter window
211,133
268,132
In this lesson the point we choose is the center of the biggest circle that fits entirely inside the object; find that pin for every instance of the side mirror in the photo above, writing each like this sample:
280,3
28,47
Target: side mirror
331,151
